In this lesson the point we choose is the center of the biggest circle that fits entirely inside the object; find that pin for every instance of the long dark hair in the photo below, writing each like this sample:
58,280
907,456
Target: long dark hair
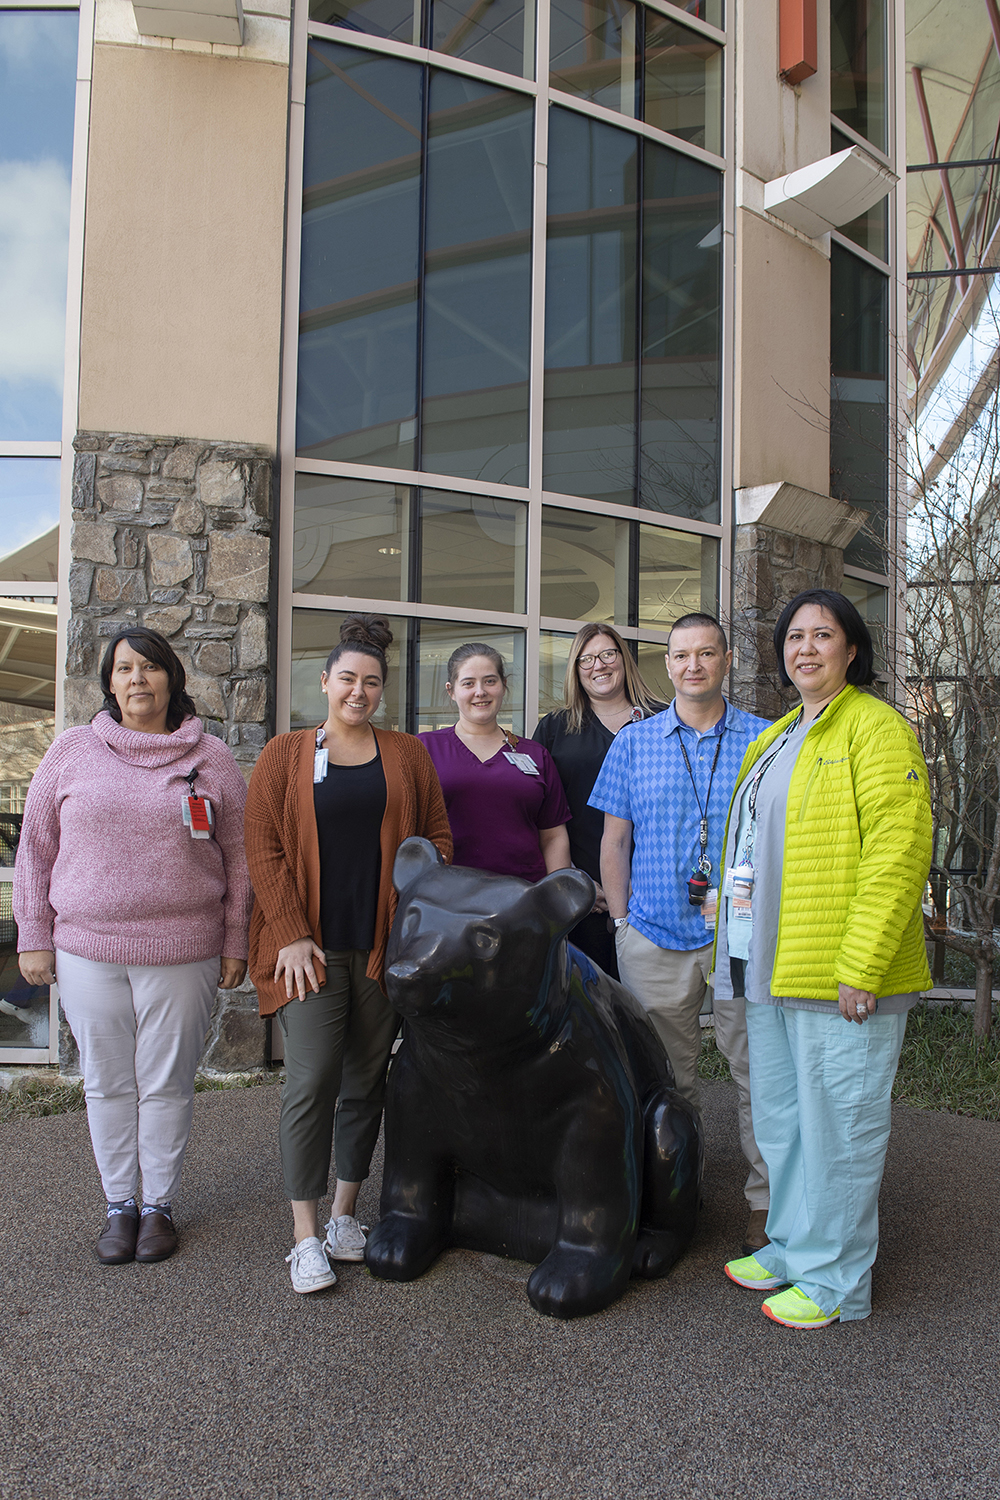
860,671
151,645
369,634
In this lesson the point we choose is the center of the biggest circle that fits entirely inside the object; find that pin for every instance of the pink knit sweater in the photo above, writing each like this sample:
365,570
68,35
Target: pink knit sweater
106,868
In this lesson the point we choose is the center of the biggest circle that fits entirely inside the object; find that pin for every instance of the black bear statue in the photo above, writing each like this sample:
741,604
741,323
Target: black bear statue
531,1109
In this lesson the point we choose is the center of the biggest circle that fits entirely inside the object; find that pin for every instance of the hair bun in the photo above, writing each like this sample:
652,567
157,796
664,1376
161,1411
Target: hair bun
366,630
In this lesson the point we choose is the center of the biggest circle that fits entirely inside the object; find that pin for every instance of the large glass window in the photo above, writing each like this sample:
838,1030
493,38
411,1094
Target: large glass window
617,428
357,394
857,67
597,567
477,297
871,229
365,540
415,697
416,269
37,97
641,63
494,33
859,397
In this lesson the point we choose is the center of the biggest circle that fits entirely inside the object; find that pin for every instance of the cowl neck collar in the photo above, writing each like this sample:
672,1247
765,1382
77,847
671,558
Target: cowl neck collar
150,750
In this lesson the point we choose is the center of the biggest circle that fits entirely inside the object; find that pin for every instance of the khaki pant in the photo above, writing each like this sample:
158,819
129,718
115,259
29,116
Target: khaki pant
337,1046
671,986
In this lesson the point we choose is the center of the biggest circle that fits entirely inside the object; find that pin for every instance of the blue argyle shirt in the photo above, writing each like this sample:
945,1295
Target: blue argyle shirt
645,780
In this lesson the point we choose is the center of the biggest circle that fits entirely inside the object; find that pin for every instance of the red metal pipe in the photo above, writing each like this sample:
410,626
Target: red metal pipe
932,155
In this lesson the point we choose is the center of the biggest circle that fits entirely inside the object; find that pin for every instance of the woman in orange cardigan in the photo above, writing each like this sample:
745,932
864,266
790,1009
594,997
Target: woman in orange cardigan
326,811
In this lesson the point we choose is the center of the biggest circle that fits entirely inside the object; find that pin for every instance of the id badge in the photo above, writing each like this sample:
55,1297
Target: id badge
739,888
321,762
522,762
710,907
197,815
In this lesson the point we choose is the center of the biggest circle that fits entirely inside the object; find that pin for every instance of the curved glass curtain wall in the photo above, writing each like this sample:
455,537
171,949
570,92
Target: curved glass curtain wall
420,257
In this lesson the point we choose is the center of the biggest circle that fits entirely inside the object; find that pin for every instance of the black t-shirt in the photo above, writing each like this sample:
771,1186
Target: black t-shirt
579,758
350,805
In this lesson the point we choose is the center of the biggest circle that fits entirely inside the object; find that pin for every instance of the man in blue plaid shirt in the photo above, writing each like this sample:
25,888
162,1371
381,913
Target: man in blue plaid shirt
665,782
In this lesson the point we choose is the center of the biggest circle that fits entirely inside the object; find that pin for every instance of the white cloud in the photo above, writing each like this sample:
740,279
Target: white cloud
34,235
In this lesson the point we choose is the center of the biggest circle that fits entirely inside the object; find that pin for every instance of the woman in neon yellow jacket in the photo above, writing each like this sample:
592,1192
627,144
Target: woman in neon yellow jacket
827,851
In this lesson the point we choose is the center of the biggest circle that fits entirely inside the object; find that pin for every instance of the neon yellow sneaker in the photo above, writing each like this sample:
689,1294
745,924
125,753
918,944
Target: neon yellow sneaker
793,1309
748,1271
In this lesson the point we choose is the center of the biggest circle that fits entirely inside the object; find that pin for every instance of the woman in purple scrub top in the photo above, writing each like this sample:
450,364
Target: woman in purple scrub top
506,805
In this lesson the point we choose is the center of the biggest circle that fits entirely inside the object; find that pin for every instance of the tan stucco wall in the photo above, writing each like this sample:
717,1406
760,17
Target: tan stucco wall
782,358
183,253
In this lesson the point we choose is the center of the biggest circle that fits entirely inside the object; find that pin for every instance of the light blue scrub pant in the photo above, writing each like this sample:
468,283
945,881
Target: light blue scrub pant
821,1092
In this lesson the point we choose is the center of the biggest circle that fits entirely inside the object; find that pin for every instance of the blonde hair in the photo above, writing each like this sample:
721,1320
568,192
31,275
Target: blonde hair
575,700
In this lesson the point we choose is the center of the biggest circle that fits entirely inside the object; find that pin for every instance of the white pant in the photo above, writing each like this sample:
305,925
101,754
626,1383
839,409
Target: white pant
670,986
140,1030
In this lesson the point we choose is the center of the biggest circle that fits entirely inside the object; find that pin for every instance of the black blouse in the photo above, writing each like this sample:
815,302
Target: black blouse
350,805
578,758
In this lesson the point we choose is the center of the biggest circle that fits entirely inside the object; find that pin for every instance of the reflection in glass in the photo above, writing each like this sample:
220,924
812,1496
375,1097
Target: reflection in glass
472,551
374,17
711,11
593,52
682,83
871,603
357,396
495,33
477,299
37,101
590,310
351,537
871,229
24,1013
26,732
437,639
859,396
681,299
315,632
678,575
553,655
652,664
29,520
585,566
857,66
28,655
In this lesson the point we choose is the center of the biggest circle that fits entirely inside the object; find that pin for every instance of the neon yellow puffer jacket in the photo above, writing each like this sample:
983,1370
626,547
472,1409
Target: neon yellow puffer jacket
857,853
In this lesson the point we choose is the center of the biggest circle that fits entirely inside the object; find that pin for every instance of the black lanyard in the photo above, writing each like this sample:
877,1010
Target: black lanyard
704,863
747,855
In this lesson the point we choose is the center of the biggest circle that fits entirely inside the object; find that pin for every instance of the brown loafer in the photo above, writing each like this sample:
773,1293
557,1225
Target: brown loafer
755,1237
116,1241
157,1237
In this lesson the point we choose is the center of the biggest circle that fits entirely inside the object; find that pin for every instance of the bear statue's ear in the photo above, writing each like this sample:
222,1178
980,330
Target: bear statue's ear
566,896
413,857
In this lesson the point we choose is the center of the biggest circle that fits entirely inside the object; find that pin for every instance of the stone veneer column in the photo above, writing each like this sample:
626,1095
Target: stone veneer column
175,534
787,539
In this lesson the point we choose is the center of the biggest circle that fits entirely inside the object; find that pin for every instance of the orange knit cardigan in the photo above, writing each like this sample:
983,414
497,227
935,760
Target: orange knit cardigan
282,845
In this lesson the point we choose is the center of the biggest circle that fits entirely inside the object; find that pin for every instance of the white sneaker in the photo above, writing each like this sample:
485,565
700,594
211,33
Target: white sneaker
345,1239
311,1271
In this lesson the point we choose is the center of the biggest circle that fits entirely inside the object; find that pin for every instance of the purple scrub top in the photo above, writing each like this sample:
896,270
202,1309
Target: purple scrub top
496,810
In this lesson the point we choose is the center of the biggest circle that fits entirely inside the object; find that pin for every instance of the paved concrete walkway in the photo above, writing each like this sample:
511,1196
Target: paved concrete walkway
206,1377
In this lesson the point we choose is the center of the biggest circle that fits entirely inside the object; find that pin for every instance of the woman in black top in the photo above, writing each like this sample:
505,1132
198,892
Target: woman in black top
603,691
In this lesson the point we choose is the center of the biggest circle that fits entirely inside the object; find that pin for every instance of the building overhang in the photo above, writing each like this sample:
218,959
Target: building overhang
192,20
829,192
787,507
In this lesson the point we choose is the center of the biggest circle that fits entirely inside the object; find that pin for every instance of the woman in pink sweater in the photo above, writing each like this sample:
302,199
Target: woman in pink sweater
131,890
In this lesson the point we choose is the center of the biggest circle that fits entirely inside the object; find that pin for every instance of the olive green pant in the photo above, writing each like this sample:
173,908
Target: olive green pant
337,1047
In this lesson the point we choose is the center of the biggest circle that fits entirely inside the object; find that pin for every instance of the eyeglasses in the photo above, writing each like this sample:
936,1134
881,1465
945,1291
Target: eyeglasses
607,657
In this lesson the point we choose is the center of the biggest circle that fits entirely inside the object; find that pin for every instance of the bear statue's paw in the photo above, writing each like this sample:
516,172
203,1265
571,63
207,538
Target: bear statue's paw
656,1250
571,1282
401,1247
